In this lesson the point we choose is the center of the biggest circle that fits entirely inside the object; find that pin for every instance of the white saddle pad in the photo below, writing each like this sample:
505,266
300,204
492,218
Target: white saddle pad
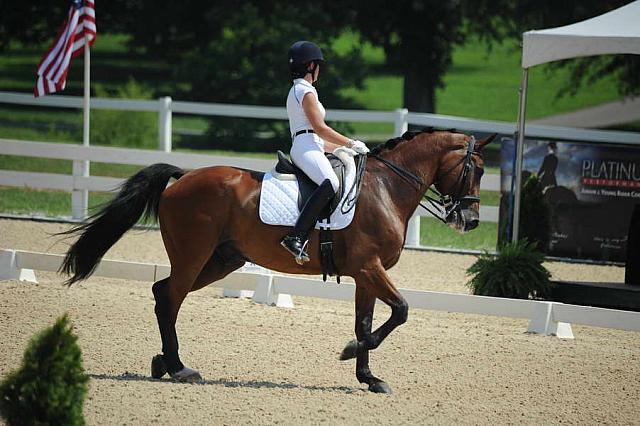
279,197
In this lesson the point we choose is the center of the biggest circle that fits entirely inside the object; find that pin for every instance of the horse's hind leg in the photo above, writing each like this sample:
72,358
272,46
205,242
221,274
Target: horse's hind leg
190,243
169,294
169,360
216,268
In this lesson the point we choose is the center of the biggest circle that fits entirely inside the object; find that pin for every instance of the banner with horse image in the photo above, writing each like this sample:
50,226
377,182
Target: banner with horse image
590,189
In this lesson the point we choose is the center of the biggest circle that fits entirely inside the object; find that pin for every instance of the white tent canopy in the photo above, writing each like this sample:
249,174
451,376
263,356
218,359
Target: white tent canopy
615,32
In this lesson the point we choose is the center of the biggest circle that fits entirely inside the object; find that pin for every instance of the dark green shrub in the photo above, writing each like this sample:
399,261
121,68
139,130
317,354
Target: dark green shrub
50,386
133,129
535,215
515,272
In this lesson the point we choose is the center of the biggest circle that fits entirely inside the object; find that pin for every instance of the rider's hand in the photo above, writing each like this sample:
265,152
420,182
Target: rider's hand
360,147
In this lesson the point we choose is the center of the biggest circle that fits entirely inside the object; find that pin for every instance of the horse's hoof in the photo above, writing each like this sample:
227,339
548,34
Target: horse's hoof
158,367
187,375
350,351
380,387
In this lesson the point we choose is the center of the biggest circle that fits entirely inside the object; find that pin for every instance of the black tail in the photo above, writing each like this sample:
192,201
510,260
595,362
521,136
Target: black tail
138,196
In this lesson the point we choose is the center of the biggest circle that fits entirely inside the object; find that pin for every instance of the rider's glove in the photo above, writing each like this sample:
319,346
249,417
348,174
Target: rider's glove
359,147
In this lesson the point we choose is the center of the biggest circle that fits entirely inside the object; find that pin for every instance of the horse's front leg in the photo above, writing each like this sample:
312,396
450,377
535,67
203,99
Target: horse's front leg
373,283
365,303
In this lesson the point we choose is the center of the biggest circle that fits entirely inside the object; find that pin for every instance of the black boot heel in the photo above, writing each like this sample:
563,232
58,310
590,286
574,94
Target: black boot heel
296,247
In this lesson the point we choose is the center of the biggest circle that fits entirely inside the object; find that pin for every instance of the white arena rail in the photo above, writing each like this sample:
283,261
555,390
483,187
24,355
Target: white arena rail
550,318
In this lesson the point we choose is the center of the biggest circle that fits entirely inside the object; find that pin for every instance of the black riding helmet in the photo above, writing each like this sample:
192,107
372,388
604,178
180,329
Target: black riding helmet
300,54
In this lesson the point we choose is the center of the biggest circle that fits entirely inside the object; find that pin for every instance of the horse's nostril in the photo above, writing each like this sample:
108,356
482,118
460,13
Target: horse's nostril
472,224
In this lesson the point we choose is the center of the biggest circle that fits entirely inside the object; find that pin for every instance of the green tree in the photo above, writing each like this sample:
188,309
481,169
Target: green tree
230,51
38,21
246,64
506,20
50,386
418,37
236,52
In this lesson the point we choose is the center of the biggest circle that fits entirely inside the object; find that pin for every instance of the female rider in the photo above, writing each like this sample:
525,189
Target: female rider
311,138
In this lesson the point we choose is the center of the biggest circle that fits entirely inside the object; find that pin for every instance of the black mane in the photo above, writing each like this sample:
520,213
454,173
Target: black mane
406,136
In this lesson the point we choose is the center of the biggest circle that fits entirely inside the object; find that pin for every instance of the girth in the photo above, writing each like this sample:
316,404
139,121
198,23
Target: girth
306,186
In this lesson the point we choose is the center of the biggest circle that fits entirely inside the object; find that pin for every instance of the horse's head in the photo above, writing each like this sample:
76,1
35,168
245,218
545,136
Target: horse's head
458,180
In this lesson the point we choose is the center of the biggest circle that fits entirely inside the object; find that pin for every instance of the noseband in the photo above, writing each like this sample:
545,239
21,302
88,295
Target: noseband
445,204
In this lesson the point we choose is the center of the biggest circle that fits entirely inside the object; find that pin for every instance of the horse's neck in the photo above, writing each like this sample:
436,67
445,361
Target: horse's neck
422,161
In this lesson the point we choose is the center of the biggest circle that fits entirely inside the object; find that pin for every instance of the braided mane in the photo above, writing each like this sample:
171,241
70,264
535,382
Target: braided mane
406,136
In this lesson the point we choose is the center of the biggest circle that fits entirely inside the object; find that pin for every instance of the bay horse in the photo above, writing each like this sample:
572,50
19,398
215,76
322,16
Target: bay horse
210,227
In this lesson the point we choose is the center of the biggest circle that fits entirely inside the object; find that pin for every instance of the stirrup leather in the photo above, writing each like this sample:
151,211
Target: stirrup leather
296,247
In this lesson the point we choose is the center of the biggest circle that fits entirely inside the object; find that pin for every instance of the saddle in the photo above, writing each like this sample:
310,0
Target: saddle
286,170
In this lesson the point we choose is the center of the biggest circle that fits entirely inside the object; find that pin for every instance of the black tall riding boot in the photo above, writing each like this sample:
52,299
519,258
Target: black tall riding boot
296,241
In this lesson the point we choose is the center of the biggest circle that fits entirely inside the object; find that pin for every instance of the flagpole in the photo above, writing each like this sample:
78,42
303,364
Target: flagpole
51,77
81,202
87,94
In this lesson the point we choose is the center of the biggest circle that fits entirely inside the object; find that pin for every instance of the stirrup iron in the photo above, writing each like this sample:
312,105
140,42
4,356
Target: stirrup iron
300,255
303,257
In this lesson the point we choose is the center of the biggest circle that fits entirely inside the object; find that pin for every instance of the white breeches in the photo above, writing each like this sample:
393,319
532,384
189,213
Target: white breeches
307,153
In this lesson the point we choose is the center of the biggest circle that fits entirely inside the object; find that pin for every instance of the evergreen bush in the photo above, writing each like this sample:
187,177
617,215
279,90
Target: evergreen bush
515,272
50,386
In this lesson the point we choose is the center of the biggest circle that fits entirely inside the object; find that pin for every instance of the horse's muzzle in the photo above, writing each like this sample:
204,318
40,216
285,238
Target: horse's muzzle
470,219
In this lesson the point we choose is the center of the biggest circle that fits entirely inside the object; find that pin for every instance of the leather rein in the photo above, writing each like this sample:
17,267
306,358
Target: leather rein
444,204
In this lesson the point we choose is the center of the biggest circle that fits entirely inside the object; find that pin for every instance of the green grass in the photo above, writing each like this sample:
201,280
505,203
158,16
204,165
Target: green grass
436,234
485,86
45,165
482,84
349,39
43,203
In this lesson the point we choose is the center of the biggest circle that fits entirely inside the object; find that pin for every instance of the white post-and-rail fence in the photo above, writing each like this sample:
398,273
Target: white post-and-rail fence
549,318
80,185
77,182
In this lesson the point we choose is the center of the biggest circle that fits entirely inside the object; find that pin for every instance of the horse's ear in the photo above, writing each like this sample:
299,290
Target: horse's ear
484,142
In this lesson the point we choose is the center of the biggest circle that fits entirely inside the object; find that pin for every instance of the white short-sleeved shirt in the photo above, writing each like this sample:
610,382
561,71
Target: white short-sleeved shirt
297,118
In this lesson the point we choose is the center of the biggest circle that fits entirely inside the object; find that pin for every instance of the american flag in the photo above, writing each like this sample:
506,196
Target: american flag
79,27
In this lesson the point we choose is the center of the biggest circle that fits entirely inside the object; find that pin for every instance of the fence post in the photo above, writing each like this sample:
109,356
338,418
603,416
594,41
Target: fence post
265,293
164,124
413,228
401,123
80,197
9,269
413,232
543,322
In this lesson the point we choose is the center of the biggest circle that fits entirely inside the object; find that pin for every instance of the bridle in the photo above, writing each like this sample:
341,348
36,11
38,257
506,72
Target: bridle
445,204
